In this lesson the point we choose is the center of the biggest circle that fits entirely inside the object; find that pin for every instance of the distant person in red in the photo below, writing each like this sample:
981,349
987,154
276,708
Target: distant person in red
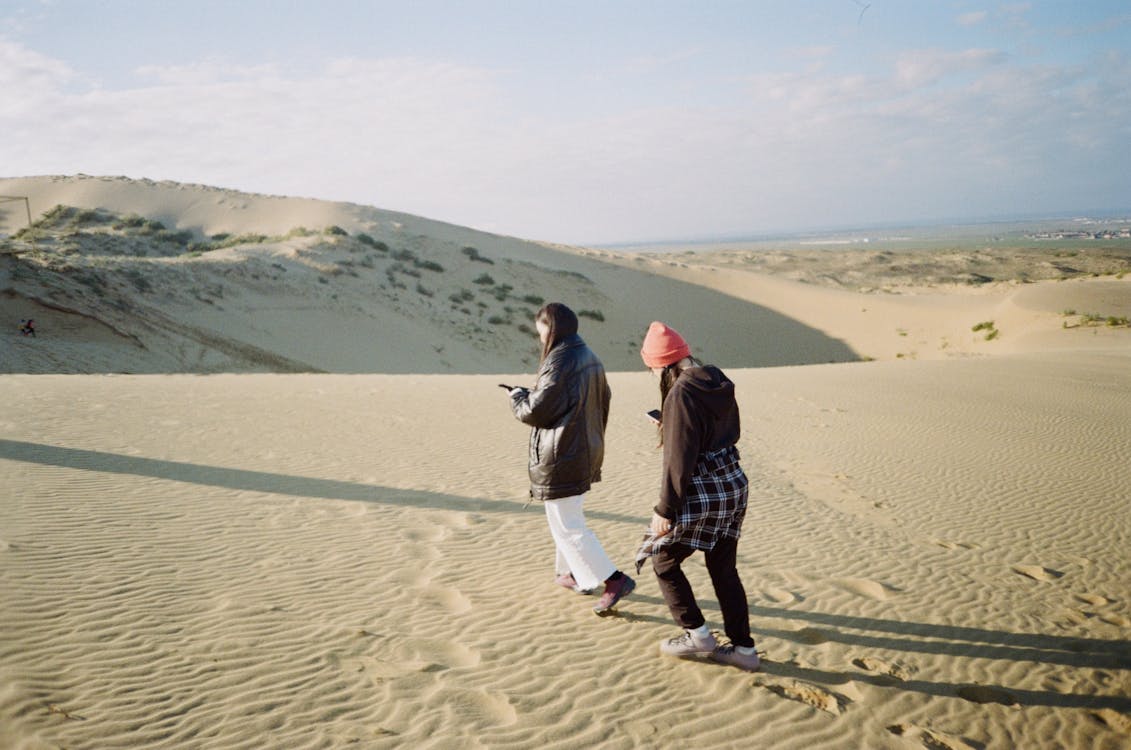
27,327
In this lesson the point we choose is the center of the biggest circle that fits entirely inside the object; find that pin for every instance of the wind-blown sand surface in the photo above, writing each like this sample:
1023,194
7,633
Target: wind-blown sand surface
937,554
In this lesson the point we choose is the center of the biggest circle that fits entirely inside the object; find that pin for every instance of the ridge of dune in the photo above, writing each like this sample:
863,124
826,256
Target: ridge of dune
204,209
144,276
199,279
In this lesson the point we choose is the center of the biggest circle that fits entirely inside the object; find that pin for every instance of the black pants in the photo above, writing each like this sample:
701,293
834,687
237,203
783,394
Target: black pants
724,576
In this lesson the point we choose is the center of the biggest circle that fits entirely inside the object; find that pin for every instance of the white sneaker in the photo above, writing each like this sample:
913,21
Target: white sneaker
688,644
743,657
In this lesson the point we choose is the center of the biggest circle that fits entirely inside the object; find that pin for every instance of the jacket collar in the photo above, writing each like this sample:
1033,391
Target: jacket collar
569,342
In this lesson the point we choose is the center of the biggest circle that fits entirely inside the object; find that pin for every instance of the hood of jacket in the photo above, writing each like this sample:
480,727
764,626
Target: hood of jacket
711,389
700,416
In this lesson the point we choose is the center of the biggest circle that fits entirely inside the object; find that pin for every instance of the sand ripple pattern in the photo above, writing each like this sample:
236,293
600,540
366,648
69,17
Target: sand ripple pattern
346,561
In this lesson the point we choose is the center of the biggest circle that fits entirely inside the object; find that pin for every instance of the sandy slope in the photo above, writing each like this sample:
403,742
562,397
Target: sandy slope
310,300
931,322
336,287
936,556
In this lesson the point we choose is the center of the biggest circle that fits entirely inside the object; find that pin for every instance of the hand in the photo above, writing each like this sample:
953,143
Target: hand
516,391
660,525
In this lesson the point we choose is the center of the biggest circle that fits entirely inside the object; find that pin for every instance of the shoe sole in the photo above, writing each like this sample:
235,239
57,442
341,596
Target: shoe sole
756,668
696,655
607,610
577,589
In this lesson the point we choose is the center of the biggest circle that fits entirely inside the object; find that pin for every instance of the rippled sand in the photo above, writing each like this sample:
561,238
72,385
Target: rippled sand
936,555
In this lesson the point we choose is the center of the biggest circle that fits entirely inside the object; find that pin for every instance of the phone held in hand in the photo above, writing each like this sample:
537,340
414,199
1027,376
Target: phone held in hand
504,386
653,415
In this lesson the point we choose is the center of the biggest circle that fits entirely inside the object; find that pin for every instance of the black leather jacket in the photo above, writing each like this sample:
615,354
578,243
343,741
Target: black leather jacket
568,410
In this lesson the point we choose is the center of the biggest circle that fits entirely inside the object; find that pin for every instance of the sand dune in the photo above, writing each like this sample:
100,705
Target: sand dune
145,277
933,322
325,542
194,279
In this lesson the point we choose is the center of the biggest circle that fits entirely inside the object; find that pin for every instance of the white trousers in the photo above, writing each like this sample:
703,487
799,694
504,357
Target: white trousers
578,550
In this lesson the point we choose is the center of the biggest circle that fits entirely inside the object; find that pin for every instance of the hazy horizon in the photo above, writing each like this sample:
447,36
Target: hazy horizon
926,229
1015,224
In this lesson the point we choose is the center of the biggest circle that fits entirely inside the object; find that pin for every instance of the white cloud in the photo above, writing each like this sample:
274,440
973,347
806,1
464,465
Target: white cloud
644,65
400,123
973,18
927,67
937,133
28,79
204,72
1015,15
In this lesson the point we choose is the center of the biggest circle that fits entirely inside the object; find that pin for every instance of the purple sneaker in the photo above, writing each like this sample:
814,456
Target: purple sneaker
614,592
566,581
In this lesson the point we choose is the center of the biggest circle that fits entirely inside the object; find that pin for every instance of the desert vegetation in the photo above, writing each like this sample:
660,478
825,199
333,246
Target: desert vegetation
991,332
475,256
1094,320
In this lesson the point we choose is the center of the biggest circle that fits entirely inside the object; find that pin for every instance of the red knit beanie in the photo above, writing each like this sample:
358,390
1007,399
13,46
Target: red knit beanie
663,346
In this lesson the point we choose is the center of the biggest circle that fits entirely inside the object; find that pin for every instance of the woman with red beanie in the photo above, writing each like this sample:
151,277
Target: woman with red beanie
702,501
567,411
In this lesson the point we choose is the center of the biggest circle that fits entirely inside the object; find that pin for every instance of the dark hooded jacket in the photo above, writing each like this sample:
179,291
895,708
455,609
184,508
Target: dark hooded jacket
568,410
700,415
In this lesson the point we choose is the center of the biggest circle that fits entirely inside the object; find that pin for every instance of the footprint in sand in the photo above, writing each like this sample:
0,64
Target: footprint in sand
811,636
643,732
425,534
1114,719
985,694
414,578
865,587
451,600
1038,573
811,695
380,670
474,708
445,654
1117,620
1069,617
1072,616
929,738
782,596
893,672
945,544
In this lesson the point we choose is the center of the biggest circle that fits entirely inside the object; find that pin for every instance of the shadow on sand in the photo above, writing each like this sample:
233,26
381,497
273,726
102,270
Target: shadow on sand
909,637
954,641
262,481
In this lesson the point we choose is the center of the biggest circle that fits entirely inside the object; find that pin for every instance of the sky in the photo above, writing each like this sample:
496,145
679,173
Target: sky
588,122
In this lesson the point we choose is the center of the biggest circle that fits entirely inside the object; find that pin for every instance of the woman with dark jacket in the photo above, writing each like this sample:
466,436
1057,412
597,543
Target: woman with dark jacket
702,503
567,411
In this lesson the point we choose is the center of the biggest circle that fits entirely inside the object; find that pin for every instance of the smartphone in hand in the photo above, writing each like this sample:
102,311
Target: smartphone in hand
653,415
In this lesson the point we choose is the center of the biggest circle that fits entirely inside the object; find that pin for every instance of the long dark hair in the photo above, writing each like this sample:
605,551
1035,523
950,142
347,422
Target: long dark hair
561,321
668,377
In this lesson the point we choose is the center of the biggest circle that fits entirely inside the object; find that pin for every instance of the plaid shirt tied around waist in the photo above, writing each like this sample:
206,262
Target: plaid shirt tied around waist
714,506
